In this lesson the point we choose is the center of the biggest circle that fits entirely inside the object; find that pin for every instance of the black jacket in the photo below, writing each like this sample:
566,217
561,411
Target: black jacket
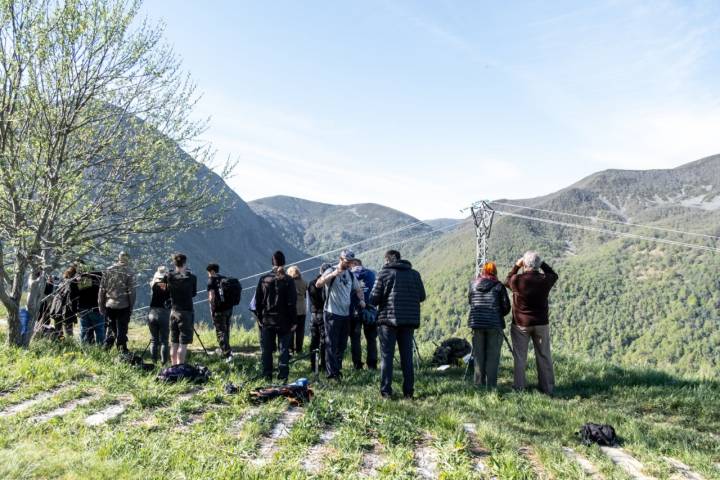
275,302
489,303
397,294
316,296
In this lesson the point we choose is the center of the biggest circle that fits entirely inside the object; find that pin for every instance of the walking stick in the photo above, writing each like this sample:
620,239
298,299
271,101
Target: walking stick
417,352
146,349
200,340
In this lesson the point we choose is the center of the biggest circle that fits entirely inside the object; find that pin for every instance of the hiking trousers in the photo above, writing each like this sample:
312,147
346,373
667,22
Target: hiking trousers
540,335
403,336
92,327
317,342
486,344
357,330
336,339
159,325
270,337
221,321
117,328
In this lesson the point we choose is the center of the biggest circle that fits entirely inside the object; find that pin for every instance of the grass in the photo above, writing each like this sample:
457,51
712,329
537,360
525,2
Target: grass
162,436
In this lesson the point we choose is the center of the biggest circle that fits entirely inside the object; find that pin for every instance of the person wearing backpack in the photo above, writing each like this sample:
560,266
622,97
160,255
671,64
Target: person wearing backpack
276,311
182,286
221,307
398,293
92,323
358,327
489,303
316,295
531,319
159,317
64,306
296,343
340,286
116,299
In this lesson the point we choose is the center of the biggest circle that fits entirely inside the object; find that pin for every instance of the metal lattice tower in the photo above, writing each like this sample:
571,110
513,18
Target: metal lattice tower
483,216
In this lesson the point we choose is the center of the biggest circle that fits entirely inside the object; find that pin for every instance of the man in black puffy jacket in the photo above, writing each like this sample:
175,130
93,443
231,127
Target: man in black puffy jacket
489,303
397,294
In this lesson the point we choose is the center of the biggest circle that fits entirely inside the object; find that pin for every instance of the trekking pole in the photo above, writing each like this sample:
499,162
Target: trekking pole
508,343
200,340
467,367
142,355
417,352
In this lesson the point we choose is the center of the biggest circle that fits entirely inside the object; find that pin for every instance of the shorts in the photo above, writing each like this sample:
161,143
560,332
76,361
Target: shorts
181,327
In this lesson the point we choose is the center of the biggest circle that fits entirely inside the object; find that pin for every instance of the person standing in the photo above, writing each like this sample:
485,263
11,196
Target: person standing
220,311
366,278
92,323
64,306
276,310
531,319
316,295
397,294
182,286
296,344
159,317
489,303
340,285
116,299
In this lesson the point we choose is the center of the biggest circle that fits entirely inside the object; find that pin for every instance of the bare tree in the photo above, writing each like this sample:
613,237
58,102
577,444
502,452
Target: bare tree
96,140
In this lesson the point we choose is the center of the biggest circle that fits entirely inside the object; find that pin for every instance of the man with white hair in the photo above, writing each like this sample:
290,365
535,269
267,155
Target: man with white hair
531,318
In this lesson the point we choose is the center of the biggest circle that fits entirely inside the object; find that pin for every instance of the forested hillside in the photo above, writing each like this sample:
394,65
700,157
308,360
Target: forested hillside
627,300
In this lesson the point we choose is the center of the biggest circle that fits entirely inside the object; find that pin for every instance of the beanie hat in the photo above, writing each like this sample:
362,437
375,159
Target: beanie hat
278,259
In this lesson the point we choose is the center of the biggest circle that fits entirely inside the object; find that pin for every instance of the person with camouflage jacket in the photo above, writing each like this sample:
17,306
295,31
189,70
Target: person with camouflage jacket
116,299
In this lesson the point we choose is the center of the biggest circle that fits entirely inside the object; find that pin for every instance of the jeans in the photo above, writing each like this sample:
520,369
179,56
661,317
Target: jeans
336,339
357,329
540,335
486,345
270,336
92,327
159,325
222,321
317,342
299,334
403,336
117,328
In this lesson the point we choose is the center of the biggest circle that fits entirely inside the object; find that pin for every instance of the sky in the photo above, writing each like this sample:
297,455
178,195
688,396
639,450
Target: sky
428,106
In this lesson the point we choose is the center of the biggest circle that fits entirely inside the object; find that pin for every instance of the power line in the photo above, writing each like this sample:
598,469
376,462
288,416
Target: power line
605,220
611,232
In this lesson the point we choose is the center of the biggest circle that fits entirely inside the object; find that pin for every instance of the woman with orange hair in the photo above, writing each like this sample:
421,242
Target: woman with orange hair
489,303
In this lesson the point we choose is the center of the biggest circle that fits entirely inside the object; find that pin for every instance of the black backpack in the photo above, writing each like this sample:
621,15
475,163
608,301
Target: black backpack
451,351
603,435
230,292
276,299
183,371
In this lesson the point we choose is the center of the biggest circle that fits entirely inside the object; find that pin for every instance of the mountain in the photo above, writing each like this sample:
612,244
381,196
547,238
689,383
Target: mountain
441,222
628,300
319,227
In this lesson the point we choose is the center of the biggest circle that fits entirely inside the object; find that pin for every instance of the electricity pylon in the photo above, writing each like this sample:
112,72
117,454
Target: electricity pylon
483,216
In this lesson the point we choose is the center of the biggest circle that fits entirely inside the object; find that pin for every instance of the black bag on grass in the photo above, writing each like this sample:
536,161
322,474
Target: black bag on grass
183,371
136,361
451,351
603,435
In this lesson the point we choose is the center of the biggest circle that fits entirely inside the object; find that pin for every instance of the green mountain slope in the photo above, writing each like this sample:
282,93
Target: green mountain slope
318,227
632,301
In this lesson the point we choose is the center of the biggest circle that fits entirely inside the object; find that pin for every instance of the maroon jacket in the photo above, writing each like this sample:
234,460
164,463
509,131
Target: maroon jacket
530,295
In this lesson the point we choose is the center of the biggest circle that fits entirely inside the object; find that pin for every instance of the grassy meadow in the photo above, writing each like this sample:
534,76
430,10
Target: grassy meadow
199,432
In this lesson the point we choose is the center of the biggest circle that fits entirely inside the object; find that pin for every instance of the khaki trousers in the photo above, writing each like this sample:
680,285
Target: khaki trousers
540,336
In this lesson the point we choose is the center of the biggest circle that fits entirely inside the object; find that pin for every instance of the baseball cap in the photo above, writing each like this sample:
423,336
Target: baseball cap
347,254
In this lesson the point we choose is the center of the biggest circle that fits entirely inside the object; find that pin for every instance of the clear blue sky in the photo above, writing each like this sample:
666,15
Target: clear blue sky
428,106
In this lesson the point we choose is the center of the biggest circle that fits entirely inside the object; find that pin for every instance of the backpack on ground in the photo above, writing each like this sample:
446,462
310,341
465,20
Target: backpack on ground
230,292
297,393
136,361
183,371
594,433
451,351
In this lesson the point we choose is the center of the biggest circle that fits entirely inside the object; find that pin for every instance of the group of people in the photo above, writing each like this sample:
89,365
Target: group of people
489,304
346,301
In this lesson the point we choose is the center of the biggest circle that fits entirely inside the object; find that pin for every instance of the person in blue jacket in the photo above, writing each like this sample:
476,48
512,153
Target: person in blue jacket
366,277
